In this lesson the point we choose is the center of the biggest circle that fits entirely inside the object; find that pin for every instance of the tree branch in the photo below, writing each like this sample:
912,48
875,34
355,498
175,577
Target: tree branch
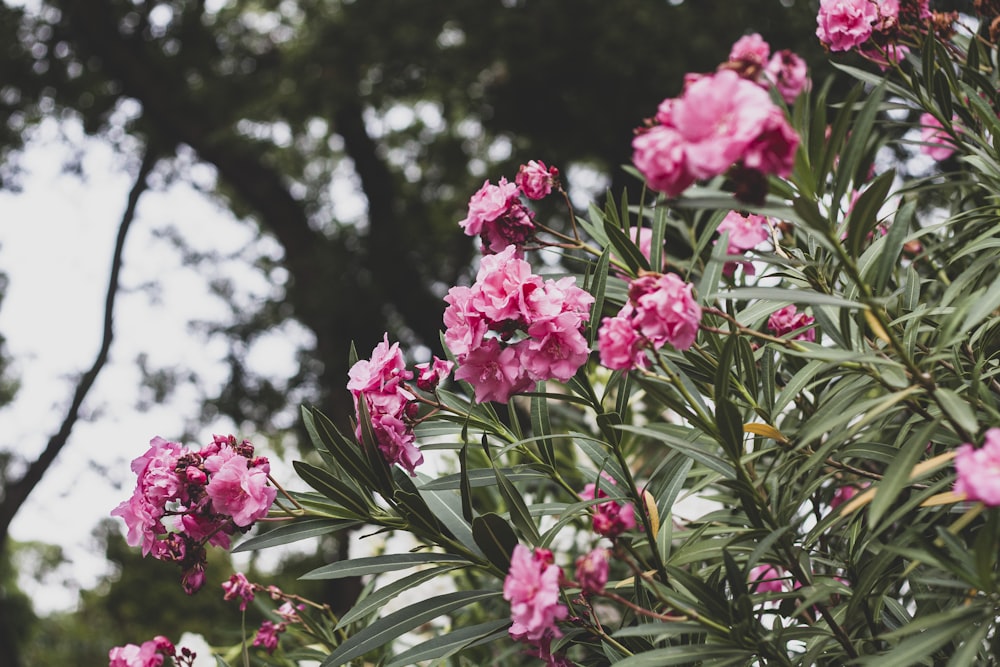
16,493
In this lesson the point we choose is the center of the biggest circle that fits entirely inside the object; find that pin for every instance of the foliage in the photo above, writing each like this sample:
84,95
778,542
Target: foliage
829,528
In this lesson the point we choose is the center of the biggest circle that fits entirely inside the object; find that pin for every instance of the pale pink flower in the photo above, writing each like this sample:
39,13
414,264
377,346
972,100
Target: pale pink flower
751,49
556,348
431,373
592,571
786,320
768,579
536,180
382,373
532,588
240,491
789,74
746,232
659,154
488,204
464,324
150,654
845,24
665,310
718,117
238,588
978,470
498,291
936,142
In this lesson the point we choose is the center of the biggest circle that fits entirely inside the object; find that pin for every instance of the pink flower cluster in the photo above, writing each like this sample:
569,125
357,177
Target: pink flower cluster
240,588
390,402
150,653
786,320
660,310
211,493
532,588
935,141
746,232
611,518
978,470
497,213
723,120
876,29
511,328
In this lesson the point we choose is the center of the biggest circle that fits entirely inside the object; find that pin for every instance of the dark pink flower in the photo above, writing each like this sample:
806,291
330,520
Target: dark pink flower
768,579
532,588
786,320
238,588
515,227
773,150
536,180
431,373
845,24
978,470
494,372
267,635
611,518
150,654
842,495
592,571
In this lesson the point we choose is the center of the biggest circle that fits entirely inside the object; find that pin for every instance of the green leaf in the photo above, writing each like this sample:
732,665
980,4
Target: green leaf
895,478
519,514
357,567
689,448
376,600
957,409
784,294
465,486
496,538
333,488
597,290
684,655
447,507
290,532
857,146
625,249
864,214
386,629
480,477
444,646
541,427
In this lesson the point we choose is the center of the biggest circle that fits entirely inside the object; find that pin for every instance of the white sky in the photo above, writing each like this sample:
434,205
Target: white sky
56,242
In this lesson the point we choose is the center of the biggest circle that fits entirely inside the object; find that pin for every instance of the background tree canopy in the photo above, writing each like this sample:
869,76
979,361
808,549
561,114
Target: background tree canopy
405,106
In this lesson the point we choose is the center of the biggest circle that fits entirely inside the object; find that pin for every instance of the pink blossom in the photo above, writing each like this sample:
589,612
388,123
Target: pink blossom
494,372
786,320
488,204
431,373
396,441
936,142
842,495
500,282
536,180
238,587
844,24
515,227
592,571
611,518
150,654
240,491
978,470
768,579
267,635
199,527
746,231
665,310
773,150
193,578
619,343
789,74
659,153
718,117
751,49
465,325
382,373
532,588
556,348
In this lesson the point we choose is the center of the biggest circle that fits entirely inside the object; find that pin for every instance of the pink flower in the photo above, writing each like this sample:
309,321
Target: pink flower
773,150
396,440
150,654
431,373
718,117
556,348
241,491
536,180
659,154
936,142
746,232
665,310
592,571
611,518
786,320
238,587
532,588
515,227
267,635
842,495
382,373
619,343
488,204
494,372
845,24
751,49
768,579
789,74
978,470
